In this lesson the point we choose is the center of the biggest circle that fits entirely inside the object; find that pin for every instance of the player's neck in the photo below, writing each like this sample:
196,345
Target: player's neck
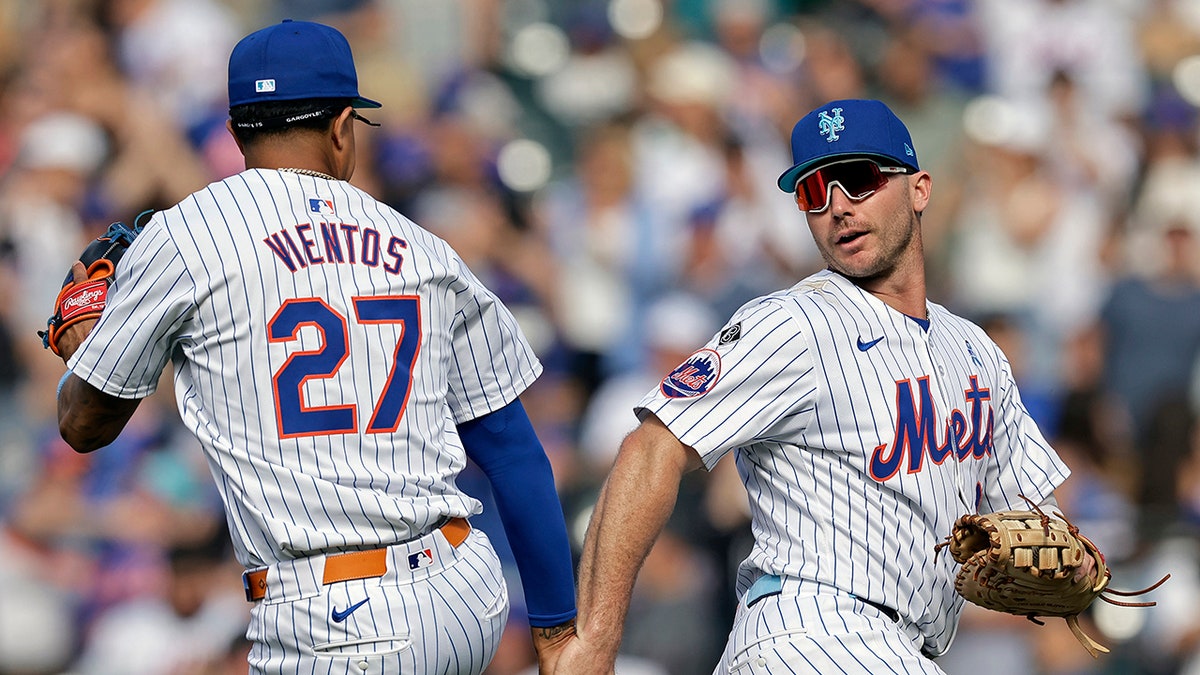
906,302
301,153
902,290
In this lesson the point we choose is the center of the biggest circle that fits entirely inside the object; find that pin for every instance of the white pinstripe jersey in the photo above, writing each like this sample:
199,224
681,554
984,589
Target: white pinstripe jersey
324,347
860,437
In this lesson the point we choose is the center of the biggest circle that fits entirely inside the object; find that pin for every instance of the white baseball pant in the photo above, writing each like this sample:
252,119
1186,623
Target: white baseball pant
437,609
797,626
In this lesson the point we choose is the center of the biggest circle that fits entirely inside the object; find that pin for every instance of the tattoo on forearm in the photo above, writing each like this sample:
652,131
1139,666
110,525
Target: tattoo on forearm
550,632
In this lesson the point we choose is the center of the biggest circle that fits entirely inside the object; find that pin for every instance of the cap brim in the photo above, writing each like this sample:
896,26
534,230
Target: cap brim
361,102
787,181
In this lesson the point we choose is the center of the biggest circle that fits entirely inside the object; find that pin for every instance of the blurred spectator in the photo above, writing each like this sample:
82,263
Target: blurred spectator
1168,31
38,628
60,154
951,30
184,626
1095,497
678,161
745,243
1170,179
42,230
570,93
176,51
1150,328
908,82
831,68
1088,147
435,39
672,616
1028,41
1169,642
1188,488
1021,228
1163,452
610,253
103,519
676,325
767,56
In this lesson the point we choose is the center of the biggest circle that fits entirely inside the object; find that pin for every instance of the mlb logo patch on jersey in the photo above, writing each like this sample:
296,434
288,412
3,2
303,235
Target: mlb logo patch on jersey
420,559
693,377
323,207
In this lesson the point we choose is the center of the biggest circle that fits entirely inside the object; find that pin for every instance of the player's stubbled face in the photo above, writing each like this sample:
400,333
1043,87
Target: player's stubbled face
865,238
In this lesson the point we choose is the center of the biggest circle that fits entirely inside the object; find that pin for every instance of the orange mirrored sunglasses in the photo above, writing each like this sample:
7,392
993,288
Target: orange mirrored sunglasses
859,178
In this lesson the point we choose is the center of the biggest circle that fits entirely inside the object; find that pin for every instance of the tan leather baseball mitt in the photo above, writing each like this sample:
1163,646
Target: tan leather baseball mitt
1033,565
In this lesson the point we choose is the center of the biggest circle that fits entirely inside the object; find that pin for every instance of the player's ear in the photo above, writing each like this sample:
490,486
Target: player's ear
921,185
343,128
229,127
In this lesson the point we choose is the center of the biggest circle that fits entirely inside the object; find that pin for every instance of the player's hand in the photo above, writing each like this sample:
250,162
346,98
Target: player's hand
550,642
71,337
578,656
1087,569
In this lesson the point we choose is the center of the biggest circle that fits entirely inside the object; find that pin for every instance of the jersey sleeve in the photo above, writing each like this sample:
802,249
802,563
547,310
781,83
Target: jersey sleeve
151,296
491,362
1023,462
737,389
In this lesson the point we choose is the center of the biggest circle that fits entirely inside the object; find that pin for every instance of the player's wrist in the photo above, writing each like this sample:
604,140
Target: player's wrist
549,636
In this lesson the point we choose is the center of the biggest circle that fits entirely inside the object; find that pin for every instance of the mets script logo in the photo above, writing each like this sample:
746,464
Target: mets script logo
830,126
694,376
964,435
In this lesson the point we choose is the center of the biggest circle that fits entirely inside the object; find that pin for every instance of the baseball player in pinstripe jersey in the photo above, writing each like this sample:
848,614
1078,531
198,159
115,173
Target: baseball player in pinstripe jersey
864,420
338,364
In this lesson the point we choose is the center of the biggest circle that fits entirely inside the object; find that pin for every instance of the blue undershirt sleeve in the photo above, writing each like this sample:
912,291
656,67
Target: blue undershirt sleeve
505,446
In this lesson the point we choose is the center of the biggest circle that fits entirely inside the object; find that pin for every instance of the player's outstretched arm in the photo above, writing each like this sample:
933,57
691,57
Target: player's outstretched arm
635,503
504,445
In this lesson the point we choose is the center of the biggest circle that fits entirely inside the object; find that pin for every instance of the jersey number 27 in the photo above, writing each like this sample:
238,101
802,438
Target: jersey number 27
296,418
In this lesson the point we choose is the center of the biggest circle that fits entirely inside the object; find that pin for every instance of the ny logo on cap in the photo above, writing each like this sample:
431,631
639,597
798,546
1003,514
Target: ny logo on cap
829,126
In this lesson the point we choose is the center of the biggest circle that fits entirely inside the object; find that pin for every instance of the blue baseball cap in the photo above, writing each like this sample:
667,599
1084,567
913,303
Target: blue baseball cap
848,128
291,61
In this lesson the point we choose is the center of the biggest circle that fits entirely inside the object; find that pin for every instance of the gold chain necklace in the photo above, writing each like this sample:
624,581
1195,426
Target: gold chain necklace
307,172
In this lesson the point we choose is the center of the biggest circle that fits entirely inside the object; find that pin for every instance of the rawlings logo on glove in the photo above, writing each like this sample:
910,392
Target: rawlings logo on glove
85,300
87,297
1030,564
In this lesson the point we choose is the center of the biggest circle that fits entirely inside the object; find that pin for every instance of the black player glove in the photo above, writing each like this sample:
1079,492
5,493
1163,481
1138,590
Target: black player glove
83,300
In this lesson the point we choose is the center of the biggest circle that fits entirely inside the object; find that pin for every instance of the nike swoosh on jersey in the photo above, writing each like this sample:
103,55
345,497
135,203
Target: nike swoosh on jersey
339,617
864,346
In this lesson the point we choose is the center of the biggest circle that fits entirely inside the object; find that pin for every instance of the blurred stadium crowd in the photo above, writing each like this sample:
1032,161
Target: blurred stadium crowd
608,167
